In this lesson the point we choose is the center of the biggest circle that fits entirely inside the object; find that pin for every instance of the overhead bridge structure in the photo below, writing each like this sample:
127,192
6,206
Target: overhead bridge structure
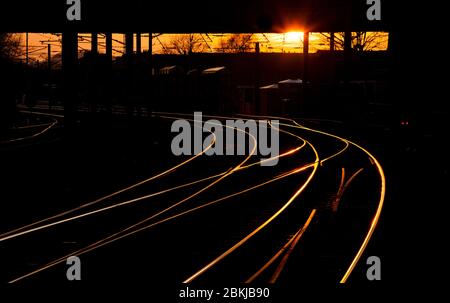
133,17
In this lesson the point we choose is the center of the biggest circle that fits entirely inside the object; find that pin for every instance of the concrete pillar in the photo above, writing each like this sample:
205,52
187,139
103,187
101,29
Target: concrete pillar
49,57
129,44
150,51
138,44
332,47
347,54
70,76
304,93
150,43
151,90
26,49
347,42
305,56
94,43
49,80
257,77
129,73
108,43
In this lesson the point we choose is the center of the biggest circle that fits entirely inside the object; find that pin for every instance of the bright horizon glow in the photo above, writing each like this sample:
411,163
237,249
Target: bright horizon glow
294,37
288,42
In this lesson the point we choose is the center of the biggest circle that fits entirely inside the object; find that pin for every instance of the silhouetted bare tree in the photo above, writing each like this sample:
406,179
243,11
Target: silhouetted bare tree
9,46
236,43
361,41
186,44
9,84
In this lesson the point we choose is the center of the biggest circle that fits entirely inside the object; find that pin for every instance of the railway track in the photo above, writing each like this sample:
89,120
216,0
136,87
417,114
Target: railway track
277,207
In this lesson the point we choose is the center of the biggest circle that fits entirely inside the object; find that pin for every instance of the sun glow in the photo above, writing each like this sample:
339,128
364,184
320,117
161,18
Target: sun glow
293,37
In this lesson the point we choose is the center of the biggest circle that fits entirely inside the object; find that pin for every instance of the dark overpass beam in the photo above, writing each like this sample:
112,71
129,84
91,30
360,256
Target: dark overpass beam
70,76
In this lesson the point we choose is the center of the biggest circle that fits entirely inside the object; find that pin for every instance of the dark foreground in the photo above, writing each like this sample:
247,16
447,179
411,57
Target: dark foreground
171,237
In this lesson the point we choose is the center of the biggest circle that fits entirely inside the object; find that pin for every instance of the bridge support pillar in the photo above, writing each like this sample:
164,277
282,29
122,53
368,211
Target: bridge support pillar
138,43
70,76
94,43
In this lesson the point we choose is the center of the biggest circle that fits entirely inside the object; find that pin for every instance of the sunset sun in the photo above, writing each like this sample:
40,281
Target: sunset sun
293,37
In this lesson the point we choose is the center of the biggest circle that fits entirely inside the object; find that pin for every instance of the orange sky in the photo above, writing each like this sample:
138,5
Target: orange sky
289,42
